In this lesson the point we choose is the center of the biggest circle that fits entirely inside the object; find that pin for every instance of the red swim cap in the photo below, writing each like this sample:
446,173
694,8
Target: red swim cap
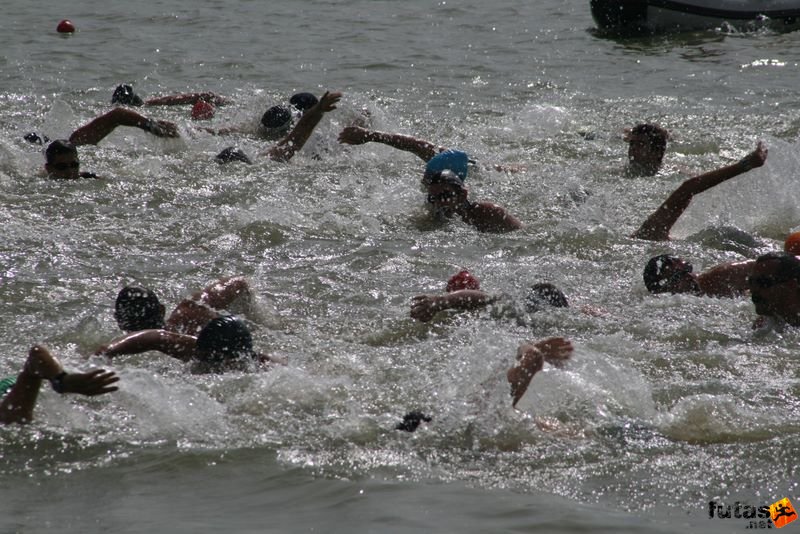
792,244
202,110
462,280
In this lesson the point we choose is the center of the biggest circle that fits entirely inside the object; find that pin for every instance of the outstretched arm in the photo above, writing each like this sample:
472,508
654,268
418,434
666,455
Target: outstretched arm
18,404
530,360
192,314
187,98
294,141
424,307
658,225
356,135
100,127
489,217
178,346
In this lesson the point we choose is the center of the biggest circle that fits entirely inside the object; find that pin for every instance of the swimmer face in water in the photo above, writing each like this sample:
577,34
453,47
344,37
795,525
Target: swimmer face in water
61,161
647,144
775,287
446,193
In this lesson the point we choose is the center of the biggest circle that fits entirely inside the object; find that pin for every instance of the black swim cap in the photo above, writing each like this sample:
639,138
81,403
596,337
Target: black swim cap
303,101
544,294
224,339
276,117
655,278
231,154
137,309
124,95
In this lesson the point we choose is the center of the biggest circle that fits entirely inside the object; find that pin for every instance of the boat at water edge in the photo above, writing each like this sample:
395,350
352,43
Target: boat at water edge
648,17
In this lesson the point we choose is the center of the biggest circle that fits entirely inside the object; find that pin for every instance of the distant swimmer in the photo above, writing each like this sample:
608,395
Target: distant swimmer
19,393
61,156
670,274
537,298
775,288
658,225
224,344
138,308
647,144
276,124
124,95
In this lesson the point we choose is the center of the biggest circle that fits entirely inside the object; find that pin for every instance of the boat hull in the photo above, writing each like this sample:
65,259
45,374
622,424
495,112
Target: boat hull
642,17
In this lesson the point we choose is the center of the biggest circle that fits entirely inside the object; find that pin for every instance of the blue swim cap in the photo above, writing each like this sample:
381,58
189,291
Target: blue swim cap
449,160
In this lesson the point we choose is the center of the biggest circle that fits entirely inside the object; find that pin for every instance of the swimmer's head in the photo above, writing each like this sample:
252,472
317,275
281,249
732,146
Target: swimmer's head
462,280
124,95
454,161
542,295
792,244
647,144
224,341
303,101
276,121
669,274
61,160
137,309
232,154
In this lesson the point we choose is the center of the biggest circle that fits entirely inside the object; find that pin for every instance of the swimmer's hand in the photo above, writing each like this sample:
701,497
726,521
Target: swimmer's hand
354,135
269,359
328,101
424,307
530,360
510,168
96,382
755,158
160,128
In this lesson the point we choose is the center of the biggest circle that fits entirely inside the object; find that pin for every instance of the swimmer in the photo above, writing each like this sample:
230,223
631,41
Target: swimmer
658,225
224,344
669,274
61,156
425,150
19,394
647,144
539,296
448,197
775,288
138,308
531,357
276,124
125,96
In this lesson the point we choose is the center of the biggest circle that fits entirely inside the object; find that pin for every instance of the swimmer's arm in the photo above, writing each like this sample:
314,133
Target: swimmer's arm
530,360
425,307
726,280
356,135
489,217
187,98
100,127
223,292
178,346
658,225
294,140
